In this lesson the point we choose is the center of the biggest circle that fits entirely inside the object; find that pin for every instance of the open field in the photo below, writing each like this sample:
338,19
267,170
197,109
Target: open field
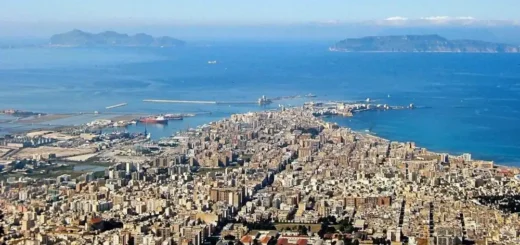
81,158
45,118
4,151
54,171
50,134
46,150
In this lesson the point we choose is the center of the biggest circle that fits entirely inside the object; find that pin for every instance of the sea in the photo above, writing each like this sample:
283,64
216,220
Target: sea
469,103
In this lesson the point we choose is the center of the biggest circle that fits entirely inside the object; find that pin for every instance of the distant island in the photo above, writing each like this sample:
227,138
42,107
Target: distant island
420,43
78,38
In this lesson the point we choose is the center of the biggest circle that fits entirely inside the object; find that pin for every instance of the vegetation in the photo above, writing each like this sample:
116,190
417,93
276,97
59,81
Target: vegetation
111,38
421,43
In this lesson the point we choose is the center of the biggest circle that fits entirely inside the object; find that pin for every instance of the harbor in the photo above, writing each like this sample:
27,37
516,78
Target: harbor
348,109
162,121
260,101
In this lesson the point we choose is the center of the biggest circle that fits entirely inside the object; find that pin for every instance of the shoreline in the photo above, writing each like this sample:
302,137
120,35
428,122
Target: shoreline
450,154
323,119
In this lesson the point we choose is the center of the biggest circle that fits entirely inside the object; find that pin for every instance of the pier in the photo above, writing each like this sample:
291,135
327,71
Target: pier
182,101
201,102
115,106
261,101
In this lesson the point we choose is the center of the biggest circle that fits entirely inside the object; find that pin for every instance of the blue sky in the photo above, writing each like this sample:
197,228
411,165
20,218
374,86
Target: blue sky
236,12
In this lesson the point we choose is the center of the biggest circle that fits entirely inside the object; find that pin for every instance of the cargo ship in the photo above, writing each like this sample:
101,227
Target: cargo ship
159,119
173,117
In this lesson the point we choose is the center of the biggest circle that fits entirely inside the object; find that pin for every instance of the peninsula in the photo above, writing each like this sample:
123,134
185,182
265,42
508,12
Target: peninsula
420,43
273,177
78,38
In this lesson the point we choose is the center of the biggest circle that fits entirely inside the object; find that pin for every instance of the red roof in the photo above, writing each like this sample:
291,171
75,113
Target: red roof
96,220
265,239
328,236
302,242
246,239
282,241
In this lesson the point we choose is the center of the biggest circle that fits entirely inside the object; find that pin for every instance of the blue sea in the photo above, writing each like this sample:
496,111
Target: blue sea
473,100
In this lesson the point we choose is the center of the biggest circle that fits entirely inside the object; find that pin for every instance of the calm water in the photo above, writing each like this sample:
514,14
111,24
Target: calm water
474,98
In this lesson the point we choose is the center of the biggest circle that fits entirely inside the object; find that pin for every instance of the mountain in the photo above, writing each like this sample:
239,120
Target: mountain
77,38
421,43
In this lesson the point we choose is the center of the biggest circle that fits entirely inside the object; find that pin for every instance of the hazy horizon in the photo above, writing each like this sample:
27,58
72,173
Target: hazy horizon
269,19
506,33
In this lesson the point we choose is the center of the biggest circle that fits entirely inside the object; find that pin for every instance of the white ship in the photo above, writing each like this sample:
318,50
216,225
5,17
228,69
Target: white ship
212,62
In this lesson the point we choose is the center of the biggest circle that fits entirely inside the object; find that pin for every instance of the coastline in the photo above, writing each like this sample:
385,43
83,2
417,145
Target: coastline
449,155
321,118
433,52
448,152
357,132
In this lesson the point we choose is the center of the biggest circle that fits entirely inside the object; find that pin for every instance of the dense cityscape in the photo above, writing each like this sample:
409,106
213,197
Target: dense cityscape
275,177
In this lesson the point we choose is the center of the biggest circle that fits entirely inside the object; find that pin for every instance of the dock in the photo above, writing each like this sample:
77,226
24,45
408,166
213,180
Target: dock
115,106
201,102
182,101
261,101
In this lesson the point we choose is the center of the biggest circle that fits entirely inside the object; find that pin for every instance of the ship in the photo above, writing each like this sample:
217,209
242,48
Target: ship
310,96
159,119
212,62
173,117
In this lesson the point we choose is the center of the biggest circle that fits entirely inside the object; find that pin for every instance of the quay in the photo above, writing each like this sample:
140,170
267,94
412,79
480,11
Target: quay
261,101
182,101
115,106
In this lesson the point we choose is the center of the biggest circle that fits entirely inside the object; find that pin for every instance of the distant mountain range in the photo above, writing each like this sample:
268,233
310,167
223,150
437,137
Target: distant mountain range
421,43
78,38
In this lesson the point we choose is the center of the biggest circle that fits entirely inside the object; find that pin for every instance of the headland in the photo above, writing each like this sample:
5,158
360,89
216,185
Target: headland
78,38
421,43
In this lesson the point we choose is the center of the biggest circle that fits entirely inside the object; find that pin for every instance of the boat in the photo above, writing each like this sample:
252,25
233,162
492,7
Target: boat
173,117
310,96
212,62
159,119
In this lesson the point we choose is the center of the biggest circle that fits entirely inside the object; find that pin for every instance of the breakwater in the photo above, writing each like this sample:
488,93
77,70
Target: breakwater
115,106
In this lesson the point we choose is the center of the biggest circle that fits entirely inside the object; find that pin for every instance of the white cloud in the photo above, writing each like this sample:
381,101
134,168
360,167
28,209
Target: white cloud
436,18
396,18
399,20
447,18
465,18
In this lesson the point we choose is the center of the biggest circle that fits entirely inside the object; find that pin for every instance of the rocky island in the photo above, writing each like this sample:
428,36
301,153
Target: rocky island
78,38
420,43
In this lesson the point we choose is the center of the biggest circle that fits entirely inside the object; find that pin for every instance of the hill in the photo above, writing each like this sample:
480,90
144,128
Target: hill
420,43
78,38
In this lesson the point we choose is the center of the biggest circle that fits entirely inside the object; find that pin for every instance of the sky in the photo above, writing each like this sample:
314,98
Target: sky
41,18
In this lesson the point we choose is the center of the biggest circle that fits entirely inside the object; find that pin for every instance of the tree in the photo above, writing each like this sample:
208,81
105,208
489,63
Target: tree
229,237
302,230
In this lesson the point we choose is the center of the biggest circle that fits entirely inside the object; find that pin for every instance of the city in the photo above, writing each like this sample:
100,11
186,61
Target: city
280,176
